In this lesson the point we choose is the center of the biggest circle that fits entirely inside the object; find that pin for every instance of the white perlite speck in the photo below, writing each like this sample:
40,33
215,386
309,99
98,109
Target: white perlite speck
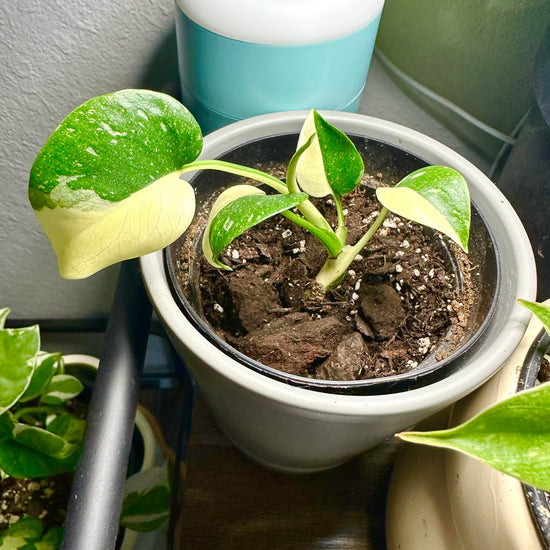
424,344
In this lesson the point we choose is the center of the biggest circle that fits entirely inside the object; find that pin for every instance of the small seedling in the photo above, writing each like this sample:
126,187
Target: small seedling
512,436
107,186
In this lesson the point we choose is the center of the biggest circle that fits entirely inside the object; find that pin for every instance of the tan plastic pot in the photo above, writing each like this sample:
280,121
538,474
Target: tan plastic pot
444,500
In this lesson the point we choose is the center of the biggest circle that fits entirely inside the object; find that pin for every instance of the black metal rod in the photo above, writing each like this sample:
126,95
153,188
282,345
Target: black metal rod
96,498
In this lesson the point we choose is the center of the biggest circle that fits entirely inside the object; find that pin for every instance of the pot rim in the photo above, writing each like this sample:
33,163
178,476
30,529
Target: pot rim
512,247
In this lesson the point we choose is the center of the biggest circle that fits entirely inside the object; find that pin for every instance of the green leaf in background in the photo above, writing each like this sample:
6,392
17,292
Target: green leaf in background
43,441
28,534
332,164
25,531
29,460
51,540
146,502
69,427
435,196
46,365
512,436
61,388
542,311
18,348
106,187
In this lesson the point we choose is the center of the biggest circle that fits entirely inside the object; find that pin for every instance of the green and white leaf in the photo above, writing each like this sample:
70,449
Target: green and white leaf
43,441
147,498
237,209
19,535
87,241
332,164
512,436
46,365
106,185
542,311
28,534
18,347
61,388
69,427
435,196
33,452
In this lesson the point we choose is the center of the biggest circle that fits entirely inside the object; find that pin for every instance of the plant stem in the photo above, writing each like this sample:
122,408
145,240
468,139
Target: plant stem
306,208
314,221
335,268
341,229
328,238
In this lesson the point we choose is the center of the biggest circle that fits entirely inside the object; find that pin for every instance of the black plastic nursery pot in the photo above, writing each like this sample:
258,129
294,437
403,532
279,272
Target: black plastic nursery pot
393,163
538,500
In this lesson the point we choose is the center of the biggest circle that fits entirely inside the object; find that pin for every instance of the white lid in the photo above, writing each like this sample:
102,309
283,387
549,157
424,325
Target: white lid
282,21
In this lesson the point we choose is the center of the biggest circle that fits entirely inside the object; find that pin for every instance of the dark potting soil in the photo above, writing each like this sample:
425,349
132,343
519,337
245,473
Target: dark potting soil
43,498
400,298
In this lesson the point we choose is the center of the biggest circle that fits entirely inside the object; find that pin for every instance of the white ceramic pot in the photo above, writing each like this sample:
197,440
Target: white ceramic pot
444,500
299,430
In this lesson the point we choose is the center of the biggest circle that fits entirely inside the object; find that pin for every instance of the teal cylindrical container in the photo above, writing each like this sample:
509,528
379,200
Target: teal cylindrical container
241,58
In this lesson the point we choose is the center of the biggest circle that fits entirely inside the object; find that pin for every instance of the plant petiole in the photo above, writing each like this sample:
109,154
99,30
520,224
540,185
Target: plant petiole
335,268
308,210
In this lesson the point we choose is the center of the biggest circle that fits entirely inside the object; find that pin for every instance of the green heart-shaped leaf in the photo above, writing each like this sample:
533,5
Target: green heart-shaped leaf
47,364
43,441
238,209
435,196
18,347
542,311
332,164
23,533
513,436
68,427
61,388
26,451
224,199
90,185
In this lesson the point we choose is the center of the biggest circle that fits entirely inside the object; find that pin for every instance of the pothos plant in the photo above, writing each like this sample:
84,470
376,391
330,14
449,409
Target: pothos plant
41,435
109,185
512,436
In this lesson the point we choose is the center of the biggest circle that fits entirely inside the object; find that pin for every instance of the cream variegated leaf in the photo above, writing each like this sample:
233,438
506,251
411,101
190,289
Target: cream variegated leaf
435,196
88,240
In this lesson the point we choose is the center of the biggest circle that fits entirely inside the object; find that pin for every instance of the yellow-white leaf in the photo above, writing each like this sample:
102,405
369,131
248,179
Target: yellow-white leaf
409,204
87,240
310,171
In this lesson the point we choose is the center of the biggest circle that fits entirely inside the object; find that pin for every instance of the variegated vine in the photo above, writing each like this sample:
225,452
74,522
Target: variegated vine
107,186
512,436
